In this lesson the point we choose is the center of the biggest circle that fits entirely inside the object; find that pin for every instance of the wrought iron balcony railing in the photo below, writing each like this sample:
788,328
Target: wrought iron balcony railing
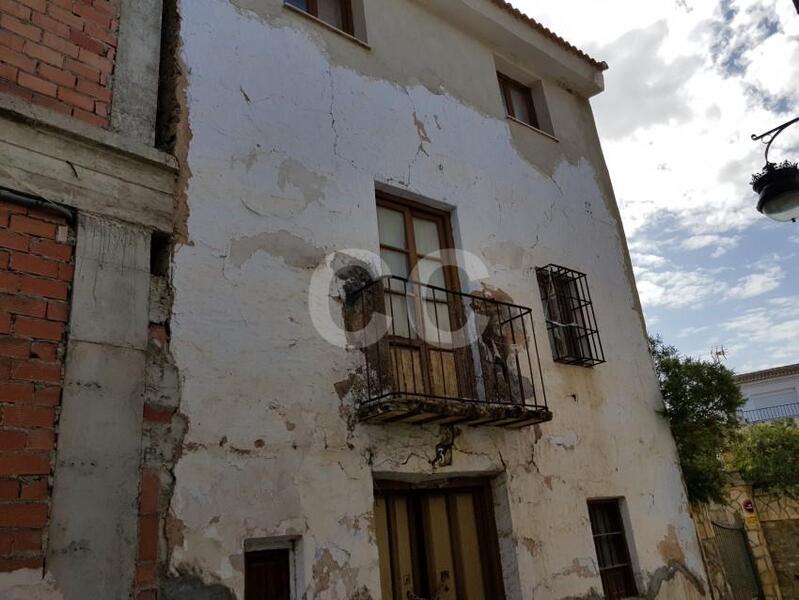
434,355
771,413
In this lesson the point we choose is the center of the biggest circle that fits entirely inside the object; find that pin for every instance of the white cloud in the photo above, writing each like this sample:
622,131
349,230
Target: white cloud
678,289
643,260
772,330
685,88
720,244
644,79
757,284
691,331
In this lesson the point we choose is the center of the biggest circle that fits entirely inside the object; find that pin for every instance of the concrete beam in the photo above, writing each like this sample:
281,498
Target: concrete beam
94,523
135,101
51,156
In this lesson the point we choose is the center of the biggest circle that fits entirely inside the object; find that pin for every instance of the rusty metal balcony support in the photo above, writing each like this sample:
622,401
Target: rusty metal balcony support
433,355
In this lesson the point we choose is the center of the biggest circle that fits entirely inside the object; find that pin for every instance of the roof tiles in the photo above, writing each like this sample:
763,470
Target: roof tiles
601,65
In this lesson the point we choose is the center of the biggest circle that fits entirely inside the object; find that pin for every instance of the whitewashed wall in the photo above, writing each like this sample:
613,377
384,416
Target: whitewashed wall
770,392
292,127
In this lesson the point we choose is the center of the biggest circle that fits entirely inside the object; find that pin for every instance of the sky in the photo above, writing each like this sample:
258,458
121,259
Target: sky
689,82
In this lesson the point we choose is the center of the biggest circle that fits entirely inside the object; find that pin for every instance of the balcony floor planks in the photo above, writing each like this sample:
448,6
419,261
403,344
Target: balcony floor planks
400,408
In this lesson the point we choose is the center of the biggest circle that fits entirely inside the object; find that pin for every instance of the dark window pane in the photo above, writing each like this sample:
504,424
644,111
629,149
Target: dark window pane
612,553
330,12
503,88
301,4
521,103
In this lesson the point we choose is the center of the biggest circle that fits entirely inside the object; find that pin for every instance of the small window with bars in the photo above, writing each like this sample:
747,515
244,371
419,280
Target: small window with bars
612,552
569,314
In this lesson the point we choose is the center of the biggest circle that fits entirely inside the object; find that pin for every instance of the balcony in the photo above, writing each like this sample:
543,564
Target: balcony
771,413
438,356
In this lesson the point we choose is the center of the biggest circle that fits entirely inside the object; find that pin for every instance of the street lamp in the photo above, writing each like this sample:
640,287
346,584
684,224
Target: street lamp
777,185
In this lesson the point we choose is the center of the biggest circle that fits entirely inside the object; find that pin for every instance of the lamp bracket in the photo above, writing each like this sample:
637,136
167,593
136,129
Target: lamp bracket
769,136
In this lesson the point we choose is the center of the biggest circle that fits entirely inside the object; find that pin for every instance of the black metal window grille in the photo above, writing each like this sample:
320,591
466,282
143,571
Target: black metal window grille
613,555
498,367
570,318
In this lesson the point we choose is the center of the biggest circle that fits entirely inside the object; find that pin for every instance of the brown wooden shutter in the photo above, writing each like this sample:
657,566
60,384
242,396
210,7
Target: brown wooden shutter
267,575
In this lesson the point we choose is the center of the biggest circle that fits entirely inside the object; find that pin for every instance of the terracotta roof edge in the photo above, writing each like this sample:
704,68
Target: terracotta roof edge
506,6
765,374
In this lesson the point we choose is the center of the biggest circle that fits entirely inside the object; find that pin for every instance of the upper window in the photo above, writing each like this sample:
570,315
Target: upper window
419,296
336,13
518,99
569,315
612,553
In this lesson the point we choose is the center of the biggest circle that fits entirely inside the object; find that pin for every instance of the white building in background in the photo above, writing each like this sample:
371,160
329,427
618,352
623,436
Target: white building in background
770,394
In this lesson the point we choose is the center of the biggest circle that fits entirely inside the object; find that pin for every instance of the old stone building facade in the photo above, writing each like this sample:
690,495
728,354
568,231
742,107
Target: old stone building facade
211,390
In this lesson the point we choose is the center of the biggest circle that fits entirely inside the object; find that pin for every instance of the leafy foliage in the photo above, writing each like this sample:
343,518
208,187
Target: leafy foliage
701,403
767,455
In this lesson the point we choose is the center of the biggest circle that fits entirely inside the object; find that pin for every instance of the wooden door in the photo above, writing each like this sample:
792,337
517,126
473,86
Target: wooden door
437,545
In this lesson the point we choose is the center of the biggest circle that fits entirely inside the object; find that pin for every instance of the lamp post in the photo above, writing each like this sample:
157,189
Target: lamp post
777,185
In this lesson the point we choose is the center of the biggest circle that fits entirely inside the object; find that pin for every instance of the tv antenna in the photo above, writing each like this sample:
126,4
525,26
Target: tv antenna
718,353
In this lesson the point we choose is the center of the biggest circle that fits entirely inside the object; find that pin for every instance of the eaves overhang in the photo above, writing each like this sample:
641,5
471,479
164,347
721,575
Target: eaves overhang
768,374
515,35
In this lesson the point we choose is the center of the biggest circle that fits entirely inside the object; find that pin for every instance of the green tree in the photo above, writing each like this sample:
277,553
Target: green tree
767,455
701,402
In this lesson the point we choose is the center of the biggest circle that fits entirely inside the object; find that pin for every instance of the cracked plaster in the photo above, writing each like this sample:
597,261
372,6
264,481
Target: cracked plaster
289,167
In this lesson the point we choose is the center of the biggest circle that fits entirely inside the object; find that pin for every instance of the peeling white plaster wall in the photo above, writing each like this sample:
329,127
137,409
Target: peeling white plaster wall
292,126
29,584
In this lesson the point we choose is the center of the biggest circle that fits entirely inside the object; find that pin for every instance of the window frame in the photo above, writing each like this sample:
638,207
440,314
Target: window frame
347,20
620,535
506,84
443,221
417,341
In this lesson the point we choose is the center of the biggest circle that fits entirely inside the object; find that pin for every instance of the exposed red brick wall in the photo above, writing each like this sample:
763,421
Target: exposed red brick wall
36,270
60,54
149,528
160,423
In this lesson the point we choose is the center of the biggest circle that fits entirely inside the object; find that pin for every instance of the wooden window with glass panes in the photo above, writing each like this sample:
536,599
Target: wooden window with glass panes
518,100
425,363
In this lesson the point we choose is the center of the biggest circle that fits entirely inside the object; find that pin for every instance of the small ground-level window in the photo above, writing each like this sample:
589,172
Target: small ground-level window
518,99
336,13
612,552
267,574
